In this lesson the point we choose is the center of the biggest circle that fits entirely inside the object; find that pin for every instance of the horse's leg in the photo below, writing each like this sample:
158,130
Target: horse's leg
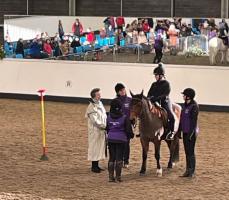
145,149
176,155
174,152
222,56
157,145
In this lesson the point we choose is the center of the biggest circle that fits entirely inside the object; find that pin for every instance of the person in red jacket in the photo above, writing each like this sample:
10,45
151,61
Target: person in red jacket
77,28
145,26
47,47
120,22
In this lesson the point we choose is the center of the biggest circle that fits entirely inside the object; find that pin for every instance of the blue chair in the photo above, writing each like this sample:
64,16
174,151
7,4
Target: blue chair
19,56
87,48
26,52
97,37
82,39
97,46
105,41
100,42
122,43
79,50
112,41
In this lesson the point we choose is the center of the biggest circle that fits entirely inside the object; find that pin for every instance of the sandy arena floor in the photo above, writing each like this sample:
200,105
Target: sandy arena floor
67,173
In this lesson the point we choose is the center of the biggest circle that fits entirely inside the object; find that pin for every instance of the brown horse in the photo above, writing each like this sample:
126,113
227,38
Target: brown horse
150,127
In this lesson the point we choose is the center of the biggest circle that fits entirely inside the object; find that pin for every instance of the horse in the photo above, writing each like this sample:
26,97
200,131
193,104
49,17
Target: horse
151,128
216,45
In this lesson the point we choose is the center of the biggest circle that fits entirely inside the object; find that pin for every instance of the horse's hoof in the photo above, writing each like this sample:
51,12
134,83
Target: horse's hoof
142,173
159,172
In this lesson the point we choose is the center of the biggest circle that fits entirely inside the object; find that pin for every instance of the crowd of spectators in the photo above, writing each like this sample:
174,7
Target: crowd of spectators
142,32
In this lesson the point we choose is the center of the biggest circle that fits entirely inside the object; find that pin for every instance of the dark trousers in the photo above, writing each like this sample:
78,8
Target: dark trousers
167,105
126,154
116,151
189,148
158,56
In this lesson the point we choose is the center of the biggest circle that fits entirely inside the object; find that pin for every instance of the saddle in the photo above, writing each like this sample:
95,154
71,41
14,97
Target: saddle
160,112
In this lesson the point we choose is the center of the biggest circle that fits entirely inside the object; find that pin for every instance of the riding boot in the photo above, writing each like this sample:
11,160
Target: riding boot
118,170
192,166
111,171
187,171
95,167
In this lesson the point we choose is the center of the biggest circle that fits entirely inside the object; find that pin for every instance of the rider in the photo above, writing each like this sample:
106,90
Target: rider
159,93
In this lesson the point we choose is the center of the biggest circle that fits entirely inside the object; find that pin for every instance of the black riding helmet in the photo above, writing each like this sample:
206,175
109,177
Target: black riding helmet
118,87
189,92
159,70
115,106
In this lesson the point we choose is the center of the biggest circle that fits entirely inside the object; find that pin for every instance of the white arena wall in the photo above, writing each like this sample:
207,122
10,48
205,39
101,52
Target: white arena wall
74,80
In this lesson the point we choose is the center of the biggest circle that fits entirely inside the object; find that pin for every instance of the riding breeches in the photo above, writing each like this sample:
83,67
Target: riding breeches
167,105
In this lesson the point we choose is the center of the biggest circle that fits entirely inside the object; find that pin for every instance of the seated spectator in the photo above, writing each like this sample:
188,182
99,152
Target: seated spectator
189,30
47,47
135,37
145,26
134,24
64,46
20,47
102,33
75,43
35,50
56,47
77,28
119,36
142,38
110,32
151,38
90,36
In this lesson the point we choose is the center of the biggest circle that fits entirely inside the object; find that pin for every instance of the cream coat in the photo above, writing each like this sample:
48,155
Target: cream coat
96,115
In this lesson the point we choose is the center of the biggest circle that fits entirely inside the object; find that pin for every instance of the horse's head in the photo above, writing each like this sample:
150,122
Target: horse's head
136,106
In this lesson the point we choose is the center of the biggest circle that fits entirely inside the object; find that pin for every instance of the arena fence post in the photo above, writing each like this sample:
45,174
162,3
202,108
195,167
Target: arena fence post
44,155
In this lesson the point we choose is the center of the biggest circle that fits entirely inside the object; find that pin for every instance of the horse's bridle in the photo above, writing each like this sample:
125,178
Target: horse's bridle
136,113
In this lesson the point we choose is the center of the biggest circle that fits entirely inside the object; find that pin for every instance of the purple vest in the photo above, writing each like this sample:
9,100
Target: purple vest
186,120
116,129
125,100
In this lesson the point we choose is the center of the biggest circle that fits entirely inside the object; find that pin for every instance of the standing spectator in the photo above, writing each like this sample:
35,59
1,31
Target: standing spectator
97,119
47,48
20,47
188,125
119,36
119,131
120,22
158,46
77,28
145,26
125,104
60,30
173,33
112,22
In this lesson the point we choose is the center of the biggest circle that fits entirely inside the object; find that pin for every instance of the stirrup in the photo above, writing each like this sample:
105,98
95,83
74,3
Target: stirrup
170,136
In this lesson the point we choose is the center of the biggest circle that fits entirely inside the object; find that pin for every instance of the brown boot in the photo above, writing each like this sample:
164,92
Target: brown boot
111,171
118,170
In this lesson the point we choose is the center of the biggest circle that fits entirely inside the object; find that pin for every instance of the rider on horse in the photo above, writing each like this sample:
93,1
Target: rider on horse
159,93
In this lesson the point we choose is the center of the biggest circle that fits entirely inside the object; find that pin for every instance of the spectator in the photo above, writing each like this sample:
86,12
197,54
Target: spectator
158,46
120,22
90,36
64,46
142,38
20,47
77,28
110,32
47,47
75,43
145,26
60,30
102,33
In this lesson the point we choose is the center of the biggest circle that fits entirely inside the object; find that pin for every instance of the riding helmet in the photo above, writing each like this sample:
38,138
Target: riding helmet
115,106
189,92
159,70
118,87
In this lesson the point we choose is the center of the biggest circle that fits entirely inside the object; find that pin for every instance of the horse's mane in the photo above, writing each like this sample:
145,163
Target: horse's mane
139,96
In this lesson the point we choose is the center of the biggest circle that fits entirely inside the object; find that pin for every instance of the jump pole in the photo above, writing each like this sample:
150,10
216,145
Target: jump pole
44,155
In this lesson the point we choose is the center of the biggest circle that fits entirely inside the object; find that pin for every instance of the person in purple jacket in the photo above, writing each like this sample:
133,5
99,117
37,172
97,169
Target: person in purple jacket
125,101
188,126
119,131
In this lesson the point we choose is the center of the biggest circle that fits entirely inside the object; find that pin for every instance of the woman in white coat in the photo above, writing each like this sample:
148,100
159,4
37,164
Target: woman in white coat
96,115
